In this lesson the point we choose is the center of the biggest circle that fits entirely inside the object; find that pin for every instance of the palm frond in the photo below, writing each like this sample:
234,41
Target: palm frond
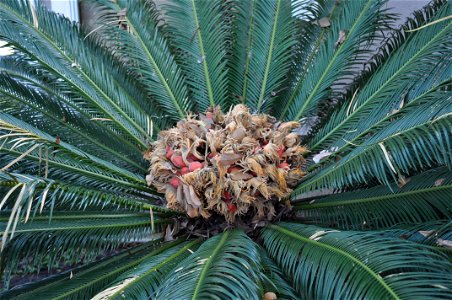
89,279
410,58
50,115
425,197
199,32
147,52
417,138
145,278
361,22
225,266
437,234
331,264
264,51
75,61
35,99
82,239
21,134
276,280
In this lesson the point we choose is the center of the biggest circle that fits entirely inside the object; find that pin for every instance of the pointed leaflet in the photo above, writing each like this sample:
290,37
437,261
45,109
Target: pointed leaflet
362,22
331,264
420,200
199,31
409,59
147,52
78,62
270,40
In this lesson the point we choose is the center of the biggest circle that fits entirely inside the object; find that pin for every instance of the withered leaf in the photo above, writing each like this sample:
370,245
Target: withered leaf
427,233
439,182
238,175
444,243
340,39
194,198
227,159
324,22
402,181
168,234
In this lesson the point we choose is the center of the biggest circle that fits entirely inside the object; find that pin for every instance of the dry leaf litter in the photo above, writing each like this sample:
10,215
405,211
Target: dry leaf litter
231,164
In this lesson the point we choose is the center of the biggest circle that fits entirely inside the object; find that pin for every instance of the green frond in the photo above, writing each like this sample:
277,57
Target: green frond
225,266
410,59
147,52
417,138
424,198
81,240
264,51
330,62
21,134
143,280
277,283
75,61
437,234
331,264
199,32
88,280
50,115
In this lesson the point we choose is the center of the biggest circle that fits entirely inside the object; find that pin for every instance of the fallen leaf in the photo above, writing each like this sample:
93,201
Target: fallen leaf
426,233
324,22
168,234
439,182
340,39
324,153
444,243
402,181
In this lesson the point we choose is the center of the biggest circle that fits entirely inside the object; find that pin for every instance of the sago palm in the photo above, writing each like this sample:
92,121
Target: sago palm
226,150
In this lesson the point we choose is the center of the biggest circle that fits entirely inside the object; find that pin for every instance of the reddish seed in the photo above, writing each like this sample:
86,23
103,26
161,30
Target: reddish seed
196,165
178,161
231,207
211,155
174,182
209,115
280,151
169,152
184,171
284,165
227,195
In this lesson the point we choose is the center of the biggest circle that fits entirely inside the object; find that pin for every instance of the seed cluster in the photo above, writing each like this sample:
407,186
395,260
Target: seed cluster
231,164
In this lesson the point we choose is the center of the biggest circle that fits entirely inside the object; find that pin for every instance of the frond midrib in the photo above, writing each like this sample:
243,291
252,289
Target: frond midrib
353,141
119,270
305,68
269,56
342,253
206,266
203,54
90,227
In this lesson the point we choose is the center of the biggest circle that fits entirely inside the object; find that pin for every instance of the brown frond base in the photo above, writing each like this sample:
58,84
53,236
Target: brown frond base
236,166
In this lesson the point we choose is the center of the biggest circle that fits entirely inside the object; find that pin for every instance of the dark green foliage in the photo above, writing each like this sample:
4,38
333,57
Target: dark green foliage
79,107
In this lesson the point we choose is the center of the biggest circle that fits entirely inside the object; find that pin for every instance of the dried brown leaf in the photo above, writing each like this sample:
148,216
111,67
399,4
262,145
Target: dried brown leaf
340,39
227,159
